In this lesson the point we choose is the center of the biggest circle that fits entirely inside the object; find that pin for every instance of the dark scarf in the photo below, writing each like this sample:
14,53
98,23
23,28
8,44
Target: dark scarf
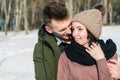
76,52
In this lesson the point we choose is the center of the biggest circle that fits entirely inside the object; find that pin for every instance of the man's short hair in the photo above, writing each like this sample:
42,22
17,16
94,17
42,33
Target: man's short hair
54,10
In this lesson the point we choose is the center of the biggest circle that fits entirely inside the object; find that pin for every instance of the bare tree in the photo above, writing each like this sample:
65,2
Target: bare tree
1,15
7,14
88,4
25,17
33,13
17,15
106,11
70,7
110,11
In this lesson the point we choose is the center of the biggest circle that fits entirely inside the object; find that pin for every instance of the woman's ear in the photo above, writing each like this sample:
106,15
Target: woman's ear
48,29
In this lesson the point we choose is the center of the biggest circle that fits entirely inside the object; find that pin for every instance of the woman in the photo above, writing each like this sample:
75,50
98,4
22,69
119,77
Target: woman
87,56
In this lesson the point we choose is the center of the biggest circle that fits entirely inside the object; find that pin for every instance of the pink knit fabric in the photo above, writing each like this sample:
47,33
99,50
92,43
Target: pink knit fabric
68,70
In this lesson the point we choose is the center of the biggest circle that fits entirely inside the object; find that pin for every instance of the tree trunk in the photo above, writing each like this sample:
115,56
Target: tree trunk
33,13
89,4
110,12
17,17
1,16
25,17
106,11
7,14
69,6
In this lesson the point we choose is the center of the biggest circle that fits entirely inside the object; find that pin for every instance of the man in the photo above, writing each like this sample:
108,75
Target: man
54,31
114,67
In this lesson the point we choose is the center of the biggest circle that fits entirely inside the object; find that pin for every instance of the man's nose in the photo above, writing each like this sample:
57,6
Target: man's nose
68,31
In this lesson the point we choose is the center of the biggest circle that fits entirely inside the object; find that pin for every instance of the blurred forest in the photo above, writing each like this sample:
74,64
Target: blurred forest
17,15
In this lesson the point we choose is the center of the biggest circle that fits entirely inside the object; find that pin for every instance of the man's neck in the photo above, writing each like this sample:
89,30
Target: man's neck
59,41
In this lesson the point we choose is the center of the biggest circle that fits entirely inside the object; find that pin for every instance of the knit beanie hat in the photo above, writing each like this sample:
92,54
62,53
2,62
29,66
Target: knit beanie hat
91,19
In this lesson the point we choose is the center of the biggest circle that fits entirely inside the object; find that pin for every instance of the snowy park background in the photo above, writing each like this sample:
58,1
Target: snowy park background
16,52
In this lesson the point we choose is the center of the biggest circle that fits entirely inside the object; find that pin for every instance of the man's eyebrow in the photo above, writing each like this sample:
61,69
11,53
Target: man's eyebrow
65,28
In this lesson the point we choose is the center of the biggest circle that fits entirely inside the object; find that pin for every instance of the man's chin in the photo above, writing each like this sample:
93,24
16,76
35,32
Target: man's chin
66,40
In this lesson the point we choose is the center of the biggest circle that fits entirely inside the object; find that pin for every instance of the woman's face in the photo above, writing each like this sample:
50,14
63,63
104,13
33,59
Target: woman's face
79,33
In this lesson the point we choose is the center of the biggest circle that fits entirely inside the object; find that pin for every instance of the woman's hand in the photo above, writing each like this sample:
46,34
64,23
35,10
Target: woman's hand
95,51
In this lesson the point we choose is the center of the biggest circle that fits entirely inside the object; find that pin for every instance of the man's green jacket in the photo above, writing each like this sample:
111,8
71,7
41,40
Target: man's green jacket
46,56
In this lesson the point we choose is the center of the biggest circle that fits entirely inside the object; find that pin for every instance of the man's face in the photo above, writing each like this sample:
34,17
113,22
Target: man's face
61,28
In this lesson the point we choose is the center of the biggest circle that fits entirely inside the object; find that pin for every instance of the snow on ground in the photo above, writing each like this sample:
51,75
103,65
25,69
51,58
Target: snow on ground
16,52
16,55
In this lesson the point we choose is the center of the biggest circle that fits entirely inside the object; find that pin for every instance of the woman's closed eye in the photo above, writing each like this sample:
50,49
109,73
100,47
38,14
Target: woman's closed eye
80,29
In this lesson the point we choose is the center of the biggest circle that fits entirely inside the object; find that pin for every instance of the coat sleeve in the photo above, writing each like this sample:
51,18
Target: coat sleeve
38,63
42,65
103,71
63,68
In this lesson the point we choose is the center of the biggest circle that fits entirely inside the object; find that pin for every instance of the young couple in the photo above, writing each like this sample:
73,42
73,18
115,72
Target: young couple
85,56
